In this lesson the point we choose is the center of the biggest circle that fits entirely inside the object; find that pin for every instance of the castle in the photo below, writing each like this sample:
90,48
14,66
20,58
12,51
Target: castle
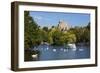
63,26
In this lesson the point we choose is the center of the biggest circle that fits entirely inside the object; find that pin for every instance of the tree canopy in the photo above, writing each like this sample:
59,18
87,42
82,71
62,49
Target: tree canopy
34,34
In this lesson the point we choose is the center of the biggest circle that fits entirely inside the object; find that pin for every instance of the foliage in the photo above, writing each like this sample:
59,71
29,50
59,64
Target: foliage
82,34
30,30
45,28
35,35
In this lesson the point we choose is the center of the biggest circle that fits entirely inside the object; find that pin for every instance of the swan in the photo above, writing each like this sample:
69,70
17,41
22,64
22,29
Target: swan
54,50
34,55
81,49
61,49
65,50
47,48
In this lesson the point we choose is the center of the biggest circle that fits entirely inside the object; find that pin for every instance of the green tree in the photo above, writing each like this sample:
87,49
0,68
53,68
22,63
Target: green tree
29,31
86,35
88,26
69,37
82,33
56,34
45,28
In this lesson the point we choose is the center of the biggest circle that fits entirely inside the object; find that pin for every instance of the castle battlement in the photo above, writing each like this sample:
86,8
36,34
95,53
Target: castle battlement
63,26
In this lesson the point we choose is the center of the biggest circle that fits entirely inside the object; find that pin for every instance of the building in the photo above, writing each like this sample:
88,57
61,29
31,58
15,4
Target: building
63,26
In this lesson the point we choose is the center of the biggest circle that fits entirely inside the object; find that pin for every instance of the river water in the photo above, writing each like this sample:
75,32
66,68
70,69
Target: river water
48,52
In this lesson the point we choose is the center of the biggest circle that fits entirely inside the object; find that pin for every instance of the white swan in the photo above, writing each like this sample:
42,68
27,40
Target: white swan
34,55
61,49
65,50
47,48
54,50
74,49
81,49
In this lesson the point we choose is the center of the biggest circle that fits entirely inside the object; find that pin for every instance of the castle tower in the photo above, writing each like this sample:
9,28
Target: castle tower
63,26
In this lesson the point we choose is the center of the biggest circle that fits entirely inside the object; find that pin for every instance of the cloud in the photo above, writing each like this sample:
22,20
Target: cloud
38,17
42,18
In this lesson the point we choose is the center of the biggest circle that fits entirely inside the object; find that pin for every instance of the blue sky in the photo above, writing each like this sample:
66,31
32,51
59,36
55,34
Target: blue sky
52,18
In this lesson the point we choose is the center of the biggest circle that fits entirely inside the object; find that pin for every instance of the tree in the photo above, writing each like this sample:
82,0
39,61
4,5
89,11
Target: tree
29,31
54,36
88,26
86,35
45,28
69,37
82,34
53,27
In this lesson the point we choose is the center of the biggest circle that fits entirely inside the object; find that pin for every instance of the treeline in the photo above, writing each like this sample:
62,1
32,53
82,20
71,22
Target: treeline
82,34
34,35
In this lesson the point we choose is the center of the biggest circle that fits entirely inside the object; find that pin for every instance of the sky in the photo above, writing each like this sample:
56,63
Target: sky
49,19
